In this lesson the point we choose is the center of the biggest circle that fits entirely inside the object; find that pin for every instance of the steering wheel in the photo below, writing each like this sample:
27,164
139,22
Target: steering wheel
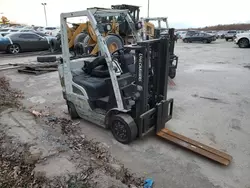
117,51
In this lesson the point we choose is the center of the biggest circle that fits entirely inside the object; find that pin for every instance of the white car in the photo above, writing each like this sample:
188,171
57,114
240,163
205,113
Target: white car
182,34
52,31
243,39
6,31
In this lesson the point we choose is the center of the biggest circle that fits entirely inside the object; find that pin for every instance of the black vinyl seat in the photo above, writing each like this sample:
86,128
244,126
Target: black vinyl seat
94,76
94,86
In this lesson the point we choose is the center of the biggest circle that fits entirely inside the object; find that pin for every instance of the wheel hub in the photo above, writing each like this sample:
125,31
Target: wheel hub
243,43
120,130
14,49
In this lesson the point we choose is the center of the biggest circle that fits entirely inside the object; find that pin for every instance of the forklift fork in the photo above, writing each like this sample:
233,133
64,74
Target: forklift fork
195,146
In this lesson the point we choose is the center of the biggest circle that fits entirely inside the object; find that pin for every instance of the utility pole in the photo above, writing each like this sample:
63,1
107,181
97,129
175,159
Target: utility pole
44,7
148,8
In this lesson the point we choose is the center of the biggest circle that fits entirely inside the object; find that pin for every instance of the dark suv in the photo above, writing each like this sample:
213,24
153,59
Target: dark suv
192,32
230,35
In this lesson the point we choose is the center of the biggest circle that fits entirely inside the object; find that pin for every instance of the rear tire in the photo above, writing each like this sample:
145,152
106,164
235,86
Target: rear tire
79,49
123,128
243,43
79,38
72,110
205,41
185,40
226,39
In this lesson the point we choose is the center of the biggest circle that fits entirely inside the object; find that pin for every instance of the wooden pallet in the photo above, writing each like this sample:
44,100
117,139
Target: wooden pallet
38,69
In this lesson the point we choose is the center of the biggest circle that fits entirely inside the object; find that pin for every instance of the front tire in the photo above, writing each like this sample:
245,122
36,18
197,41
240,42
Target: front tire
14,49
123,128
243,43
72,110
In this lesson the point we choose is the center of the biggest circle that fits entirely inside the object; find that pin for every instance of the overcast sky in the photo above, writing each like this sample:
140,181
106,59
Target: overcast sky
181,13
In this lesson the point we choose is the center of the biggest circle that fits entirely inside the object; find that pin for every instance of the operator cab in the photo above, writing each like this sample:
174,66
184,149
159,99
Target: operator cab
93,75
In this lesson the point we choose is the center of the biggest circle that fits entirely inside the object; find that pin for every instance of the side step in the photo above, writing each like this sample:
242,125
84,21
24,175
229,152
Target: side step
195,146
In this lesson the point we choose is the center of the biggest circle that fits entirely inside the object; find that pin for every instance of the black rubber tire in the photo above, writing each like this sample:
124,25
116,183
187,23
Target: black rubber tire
72,53
172,73
16,46
79,49
226,39
185,40
128,127
54,45
205,41
243,43
79,38
110,39
43,59
86,41
113,34
72,110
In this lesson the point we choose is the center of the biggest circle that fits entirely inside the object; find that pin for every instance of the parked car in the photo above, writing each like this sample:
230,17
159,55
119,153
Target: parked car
38,28
200,37
7,31
243,40
52,31
192,32
24,41
182,34
221,34
213,33
26,30
230,35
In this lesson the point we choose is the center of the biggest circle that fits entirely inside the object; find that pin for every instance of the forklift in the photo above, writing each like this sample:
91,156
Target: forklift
124,90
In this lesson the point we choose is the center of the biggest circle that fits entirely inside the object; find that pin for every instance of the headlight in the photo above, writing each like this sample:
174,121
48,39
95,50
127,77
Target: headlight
107,28
138,25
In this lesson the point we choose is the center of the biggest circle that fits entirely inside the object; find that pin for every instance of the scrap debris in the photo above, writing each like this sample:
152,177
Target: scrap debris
18,160
36,113
9,97
38,69
97,151
148,183
203,97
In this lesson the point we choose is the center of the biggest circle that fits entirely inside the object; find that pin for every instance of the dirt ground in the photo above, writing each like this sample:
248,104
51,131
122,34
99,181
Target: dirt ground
211,105
40,150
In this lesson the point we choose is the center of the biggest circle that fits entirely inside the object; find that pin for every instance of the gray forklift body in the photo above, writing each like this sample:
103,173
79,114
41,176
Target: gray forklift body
141,94
68,66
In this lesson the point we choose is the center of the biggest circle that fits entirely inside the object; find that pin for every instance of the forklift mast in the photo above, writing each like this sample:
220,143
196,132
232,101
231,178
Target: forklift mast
151,74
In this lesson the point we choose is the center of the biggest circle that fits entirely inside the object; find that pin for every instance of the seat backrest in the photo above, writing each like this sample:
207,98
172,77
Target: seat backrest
129,63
